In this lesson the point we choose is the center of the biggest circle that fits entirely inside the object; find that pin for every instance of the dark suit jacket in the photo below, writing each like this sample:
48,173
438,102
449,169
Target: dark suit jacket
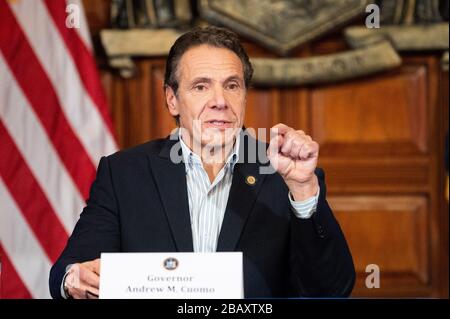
139,203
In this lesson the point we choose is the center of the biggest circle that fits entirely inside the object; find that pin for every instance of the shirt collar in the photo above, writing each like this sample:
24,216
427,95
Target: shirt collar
190,158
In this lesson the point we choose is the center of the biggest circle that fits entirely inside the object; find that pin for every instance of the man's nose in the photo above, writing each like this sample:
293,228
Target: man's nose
218,99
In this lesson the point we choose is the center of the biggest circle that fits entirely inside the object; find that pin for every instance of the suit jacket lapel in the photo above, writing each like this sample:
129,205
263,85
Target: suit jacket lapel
243,194
170,179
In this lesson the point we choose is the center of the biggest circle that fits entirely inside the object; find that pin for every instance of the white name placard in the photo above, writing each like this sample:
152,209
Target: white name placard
171,275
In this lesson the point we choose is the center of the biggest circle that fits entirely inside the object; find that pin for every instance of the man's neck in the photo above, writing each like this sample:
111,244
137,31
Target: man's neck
213,158
216,160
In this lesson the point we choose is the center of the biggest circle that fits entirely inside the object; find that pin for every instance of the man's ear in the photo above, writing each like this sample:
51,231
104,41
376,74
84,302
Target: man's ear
171,101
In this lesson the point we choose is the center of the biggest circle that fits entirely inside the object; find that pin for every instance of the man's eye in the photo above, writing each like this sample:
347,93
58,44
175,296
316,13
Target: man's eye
200,87
233,86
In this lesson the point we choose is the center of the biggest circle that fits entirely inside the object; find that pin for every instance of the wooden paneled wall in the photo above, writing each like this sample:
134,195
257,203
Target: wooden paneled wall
382,141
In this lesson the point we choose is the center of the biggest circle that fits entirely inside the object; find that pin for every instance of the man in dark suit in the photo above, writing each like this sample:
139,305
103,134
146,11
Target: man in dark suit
204,190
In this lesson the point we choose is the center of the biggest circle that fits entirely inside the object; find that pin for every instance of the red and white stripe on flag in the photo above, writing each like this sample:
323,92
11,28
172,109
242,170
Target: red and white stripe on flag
54,127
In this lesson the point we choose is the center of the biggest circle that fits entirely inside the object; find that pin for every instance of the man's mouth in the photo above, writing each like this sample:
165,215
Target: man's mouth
218,123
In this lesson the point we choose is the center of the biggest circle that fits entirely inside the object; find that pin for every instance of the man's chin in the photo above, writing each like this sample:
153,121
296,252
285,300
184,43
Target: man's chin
213,137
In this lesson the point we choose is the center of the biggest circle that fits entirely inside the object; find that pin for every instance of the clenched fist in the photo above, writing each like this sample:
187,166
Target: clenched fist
293,154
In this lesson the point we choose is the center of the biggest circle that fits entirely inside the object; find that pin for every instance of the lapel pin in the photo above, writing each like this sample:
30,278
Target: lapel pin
250,180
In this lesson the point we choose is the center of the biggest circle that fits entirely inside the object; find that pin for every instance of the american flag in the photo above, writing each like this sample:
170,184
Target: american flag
54,127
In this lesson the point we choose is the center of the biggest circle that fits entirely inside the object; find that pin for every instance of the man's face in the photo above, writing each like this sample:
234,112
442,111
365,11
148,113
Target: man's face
210,100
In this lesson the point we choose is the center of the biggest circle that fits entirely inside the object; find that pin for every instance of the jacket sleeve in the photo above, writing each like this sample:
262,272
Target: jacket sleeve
321,262
96,231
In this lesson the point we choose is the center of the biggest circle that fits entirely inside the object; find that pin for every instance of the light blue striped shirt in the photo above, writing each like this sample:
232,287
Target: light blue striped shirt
208,201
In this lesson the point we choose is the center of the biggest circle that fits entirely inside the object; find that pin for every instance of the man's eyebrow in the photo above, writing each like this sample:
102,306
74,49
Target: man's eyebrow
233,78
201,80
204,79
